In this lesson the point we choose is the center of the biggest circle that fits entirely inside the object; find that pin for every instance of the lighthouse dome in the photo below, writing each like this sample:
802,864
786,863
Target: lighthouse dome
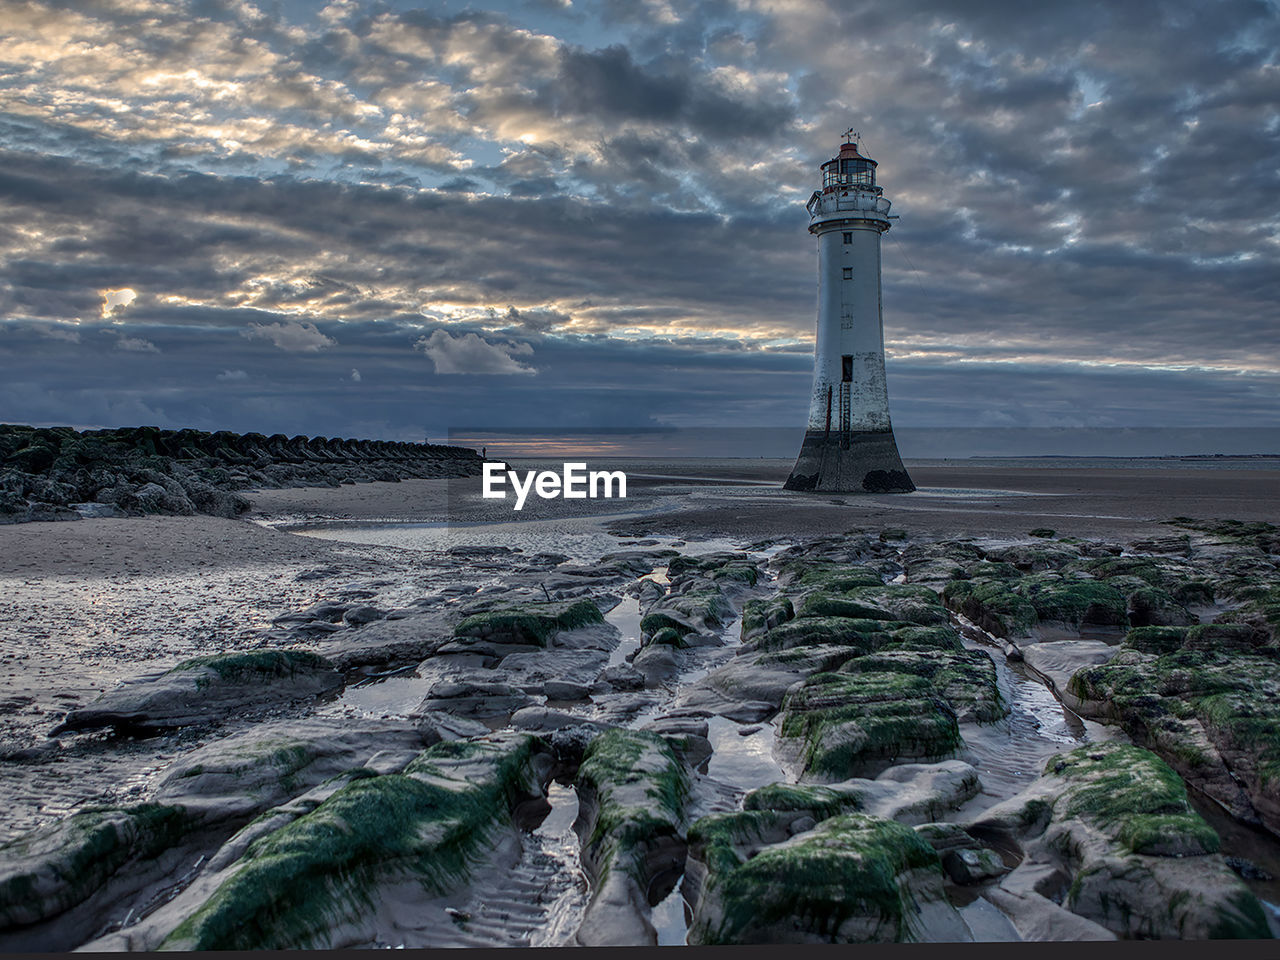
849,170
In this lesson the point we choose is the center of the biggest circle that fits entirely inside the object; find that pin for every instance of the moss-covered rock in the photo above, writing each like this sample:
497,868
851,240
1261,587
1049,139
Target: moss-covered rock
814,800
314,881
846,725
764,613
1213,714
1115,820
860,634
1012,608
802,575
1075,601
55,868
632,791
831,590
1228,637
1157,640
966,680
851,879
703,608
941,638
1033,557
992,604
659,620
532,623
1150,606
1132,796
823,604
1258,534
668,637
733,567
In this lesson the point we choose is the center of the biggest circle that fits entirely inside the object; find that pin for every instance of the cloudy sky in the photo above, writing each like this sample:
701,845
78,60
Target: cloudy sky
391,219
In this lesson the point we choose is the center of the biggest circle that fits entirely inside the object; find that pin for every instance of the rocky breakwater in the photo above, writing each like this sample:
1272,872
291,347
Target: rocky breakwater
57,473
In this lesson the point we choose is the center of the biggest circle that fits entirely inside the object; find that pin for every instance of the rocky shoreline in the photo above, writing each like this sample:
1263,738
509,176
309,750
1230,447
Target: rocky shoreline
811,739
57,473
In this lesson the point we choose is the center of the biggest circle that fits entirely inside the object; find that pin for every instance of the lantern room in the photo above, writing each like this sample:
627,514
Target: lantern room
849,171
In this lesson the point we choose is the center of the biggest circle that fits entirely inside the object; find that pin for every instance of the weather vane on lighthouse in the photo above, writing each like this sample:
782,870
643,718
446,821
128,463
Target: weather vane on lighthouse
848,444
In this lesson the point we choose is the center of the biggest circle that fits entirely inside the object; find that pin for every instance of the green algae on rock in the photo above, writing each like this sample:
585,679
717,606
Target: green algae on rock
1009,608
1114,820
816,800
965,679
309,882
632,790
1213,714
733,567
57,867
851,879
704,608
851,724
532,623
859,634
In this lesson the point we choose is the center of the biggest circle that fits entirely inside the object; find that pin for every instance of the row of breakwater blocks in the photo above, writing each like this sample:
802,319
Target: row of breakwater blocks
55,473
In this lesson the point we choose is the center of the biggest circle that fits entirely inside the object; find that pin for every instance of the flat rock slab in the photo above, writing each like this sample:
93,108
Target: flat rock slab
269,764
384,642
474,698
206,689
533,669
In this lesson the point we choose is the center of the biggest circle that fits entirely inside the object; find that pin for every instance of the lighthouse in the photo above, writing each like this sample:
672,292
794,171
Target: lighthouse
849,445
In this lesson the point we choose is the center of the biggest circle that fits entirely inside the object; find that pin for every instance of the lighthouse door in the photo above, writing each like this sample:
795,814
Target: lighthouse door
846,369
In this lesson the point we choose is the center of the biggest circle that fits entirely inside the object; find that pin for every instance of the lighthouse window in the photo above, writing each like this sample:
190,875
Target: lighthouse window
846,369
848,237
848,273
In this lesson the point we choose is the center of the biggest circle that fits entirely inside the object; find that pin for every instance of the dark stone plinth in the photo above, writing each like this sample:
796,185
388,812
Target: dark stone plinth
863,462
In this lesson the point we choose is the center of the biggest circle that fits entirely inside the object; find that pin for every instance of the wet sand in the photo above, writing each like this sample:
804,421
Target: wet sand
958,498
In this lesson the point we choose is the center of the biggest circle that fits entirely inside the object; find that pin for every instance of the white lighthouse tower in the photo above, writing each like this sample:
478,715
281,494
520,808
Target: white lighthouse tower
848,444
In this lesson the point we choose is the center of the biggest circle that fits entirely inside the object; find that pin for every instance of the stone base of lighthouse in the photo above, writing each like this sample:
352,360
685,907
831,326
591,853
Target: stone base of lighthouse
857,462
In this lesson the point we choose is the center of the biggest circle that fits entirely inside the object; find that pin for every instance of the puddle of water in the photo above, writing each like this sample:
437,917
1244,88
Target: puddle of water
671,919
745,762
1241,840
625,617
394,696
555,841
968,493
564,810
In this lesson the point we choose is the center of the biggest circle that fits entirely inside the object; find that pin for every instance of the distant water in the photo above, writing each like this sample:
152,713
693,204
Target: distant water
1102,463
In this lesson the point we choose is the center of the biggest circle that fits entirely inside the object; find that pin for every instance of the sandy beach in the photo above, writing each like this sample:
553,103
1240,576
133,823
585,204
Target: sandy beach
87,604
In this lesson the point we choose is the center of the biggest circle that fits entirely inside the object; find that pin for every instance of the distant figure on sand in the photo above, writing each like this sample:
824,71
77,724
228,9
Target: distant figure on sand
484,453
